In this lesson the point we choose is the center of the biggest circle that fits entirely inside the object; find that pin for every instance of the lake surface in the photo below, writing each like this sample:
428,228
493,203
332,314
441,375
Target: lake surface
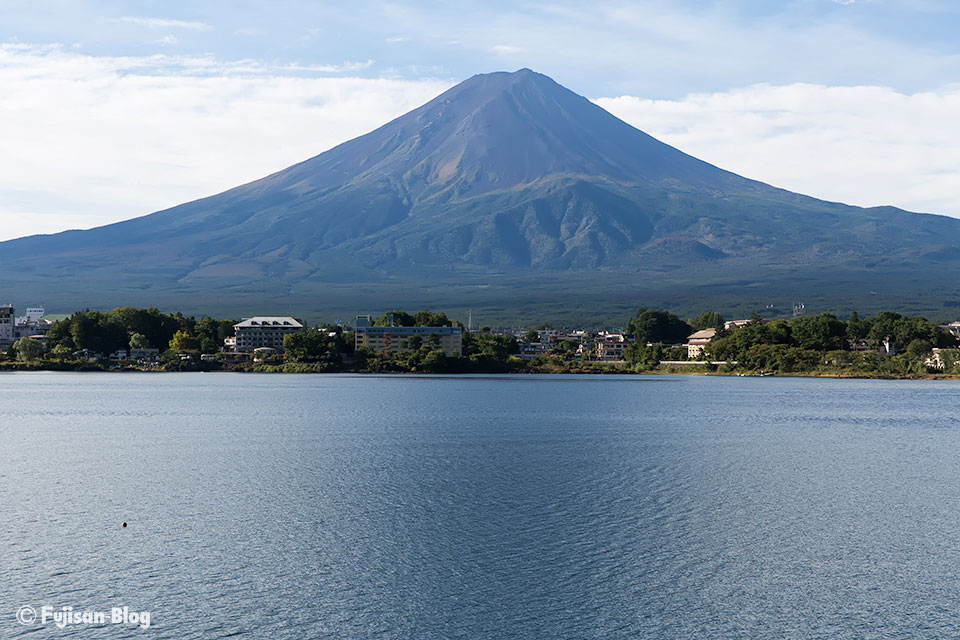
285,506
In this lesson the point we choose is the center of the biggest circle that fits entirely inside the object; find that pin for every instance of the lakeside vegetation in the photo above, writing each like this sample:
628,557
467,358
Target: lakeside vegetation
883,345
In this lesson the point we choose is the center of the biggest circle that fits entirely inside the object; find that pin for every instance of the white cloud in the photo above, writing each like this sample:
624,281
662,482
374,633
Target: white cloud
321,68
92,140
162,23
505,49
861,145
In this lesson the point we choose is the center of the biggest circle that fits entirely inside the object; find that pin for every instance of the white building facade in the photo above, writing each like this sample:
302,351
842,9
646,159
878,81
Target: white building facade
264,332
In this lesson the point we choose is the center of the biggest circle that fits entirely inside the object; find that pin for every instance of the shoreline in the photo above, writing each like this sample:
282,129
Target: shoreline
611,369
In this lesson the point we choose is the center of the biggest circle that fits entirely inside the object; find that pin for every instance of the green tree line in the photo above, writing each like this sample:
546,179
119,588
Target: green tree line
128,327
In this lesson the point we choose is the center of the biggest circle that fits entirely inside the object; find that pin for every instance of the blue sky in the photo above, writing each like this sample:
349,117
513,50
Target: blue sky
661,49
116,109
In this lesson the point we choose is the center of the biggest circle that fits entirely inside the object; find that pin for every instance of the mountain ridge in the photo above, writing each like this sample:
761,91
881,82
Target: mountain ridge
505,178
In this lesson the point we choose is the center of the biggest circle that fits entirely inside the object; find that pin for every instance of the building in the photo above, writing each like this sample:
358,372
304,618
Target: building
33,315
397,339
7,326
943,358
610,347
31,324
264,332
697,341
532,350
886,347
953,329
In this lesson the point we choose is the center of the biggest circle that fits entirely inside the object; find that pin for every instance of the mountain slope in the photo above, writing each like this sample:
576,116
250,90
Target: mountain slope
506,184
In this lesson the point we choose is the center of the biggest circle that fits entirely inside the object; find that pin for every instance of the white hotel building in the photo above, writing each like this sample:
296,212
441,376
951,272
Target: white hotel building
264,332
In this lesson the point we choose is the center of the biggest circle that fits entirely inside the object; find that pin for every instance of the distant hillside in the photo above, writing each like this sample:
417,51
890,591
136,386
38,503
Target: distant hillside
508,194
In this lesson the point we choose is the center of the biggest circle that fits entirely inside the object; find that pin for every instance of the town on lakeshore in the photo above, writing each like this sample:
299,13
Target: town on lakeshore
887,344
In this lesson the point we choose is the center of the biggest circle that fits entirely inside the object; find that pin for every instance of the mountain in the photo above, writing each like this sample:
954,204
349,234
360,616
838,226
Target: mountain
510,194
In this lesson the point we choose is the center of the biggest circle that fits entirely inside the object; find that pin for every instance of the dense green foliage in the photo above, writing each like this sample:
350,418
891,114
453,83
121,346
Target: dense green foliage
819,334
658,326
27,349
419,319
325,345
127,327
707,320
823,343
482,353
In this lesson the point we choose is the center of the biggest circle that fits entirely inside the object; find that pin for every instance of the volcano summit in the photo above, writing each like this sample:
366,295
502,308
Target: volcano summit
507,193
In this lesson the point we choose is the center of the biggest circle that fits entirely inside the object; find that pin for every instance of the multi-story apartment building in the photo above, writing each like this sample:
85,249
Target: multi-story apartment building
264,332
611,347
397,339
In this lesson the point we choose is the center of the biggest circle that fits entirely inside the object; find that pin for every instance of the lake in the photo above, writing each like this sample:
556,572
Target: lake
348,506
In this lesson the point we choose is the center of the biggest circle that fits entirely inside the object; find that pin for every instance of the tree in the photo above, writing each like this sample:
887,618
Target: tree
157,327
183,341
656,325
779,357
735,344
98,332
531,336
139,341
413,343
395,318
905,330
59,334
856,328
312,345
639,353
207,331
225,330
566,349
919,349
28,349
61,352
708,320
427,319
347,341
820,333
435,361
488,347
